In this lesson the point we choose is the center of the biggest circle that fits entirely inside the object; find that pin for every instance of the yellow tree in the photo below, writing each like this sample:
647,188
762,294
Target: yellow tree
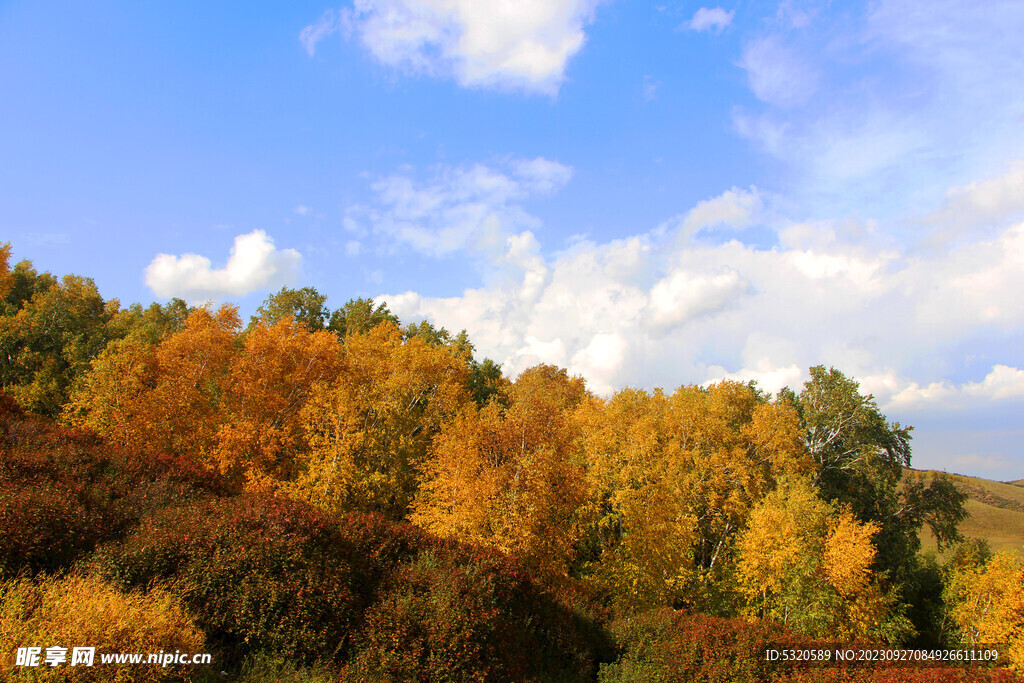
674,479
988,604
368,430
267,386
165,397
805,563
512,477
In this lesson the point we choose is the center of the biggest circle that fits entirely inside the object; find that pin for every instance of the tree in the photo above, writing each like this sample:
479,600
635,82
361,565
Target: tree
511,477
674,480
807,564
260,435
50,332
151,324
860,458
369,430
164,397
305,306
359,315
987,601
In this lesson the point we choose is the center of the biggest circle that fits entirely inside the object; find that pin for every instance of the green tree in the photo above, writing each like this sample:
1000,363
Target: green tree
305,306
50,332
861,456
861,459
359,315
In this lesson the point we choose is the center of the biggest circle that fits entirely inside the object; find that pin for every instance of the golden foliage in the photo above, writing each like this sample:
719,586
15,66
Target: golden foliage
989,604
267,385
368,430
511,478
84,611
849,553
805,563
674,479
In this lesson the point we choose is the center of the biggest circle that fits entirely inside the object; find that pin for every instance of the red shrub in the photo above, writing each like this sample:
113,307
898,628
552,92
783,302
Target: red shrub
662,645
260,572
64,490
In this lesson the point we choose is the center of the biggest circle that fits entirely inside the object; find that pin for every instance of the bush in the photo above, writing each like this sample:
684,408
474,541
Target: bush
62,491
84,611
457,613
665,646
262,573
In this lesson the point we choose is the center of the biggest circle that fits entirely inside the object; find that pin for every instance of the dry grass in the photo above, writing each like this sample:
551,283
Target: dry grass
996,513
84,611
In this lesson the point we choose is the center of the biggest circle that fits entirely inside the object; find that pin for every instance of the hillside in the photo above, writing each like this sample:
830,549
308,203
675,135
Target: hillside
996,511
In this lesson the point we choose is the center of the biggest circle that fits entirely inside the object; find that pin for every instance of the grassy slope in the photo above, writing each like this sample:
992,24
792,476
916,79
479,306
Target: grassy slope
996,509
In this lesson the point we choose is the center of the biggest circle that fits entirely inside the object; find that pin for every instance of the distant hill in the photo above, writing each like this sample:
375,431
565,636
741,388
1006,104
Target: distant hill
996,511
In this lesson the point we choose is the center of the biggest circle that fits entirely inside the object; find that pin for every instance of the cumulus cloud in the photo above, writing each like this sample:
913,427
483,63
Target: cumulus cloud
472,208
713,19
523,46
656,309
255,263
684,295
1002,383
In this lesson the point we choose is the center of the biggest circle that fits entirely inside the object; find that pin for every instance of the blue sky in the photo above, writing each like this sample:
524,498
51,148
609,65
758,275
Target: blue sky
647,194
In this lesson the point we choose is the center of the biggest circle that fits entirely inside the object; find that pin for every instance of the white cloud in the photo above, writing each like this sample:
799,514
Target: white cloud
311,35
714,19
777,73
685,295
768,377
302,210
1002,383
983,202
894,392
735,208
657,310
255,263
465,208
523,45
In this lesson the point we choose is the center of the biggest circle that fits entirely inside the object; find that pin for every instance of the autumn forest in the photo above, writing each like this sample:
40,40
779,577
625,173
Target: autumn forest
331,494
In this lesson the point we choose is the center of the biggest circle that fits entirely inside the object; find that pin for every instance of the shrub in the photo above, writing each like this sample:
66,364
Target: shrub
84,611
458,613
262,573
62,491
665,646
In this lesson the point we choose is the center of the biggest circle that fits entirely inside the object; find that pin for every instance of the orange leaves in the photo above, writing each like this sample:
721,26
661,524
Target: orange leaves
511,479
368,431
162,398
264,391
